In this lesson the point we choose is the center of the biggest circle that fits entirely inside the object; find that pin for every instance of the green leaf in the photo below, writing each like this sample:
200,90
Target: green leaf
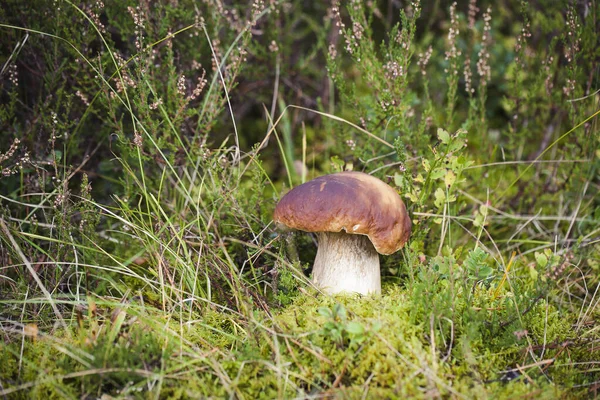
440,197
325,312
450,178
426,165
533,273
456,145
336,335
443,136
355,328
541,259
398,180
438,173
337,163
484,272
339,311
478,221
412,197
117,322
376,327
476,264
483,210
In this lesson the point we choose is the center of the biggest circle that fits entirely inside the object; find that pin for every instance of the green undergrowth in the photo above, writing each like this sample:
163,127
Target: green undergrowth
144,146
344,346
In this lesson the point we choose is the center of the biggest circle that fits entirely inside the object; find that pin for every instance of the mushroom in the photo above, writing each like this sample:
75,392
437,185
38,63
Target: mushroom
356,216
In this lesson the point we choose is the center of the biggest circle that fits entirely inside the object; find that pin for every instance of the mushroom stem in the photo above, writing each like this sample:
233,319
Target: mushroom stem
346,263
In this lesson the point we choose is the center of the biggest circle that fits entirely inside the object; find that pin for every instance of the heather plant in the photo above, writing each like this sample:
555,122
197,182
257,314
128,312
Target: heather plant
146,145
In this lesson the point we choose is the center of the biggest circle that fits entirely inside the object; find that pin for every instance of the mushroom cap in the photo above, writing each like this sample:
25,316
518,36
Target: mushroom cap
350,201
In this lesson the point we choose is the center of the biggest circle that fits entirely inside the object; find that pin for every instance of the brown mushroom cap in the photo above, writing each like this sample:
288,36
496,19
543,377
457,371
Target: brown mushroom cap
351,201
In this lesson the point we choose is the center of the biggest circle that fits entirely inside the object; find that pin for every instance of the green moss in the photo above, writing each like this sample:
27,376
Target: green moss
362,345
199,295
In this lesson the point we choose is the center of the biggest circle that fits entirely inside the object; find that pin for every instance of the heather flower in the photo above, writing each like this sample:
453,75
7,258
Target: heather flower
472,15
483,66
424,60
453,53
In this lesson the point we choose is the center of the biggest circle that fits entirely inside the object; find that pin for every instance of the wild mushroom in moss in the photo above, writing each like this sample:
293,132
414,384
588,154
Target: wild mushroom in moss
356,216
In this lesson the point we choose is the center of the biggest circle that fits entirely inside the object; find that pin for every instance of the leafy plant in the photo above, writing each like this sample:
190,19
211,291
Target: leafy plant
341,331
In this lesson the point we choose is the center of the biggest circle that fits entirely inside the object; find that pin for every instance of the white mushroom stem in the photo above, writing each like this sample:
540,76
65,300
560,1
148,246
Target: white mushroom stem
346,263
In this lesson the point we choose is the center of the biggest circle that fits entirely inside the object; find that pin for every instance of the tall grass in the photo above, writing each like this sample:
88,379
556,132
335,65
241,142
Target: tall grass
138,256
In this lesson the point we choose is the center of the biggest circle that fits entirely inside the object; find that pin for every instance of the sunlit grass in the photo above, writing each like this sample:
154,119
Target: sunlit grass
178,284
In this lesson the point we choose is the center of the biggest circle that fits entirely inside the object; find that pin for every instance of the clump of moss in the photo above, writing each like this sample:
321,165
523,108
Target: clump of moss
347,344
343,346
487,134
113,352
